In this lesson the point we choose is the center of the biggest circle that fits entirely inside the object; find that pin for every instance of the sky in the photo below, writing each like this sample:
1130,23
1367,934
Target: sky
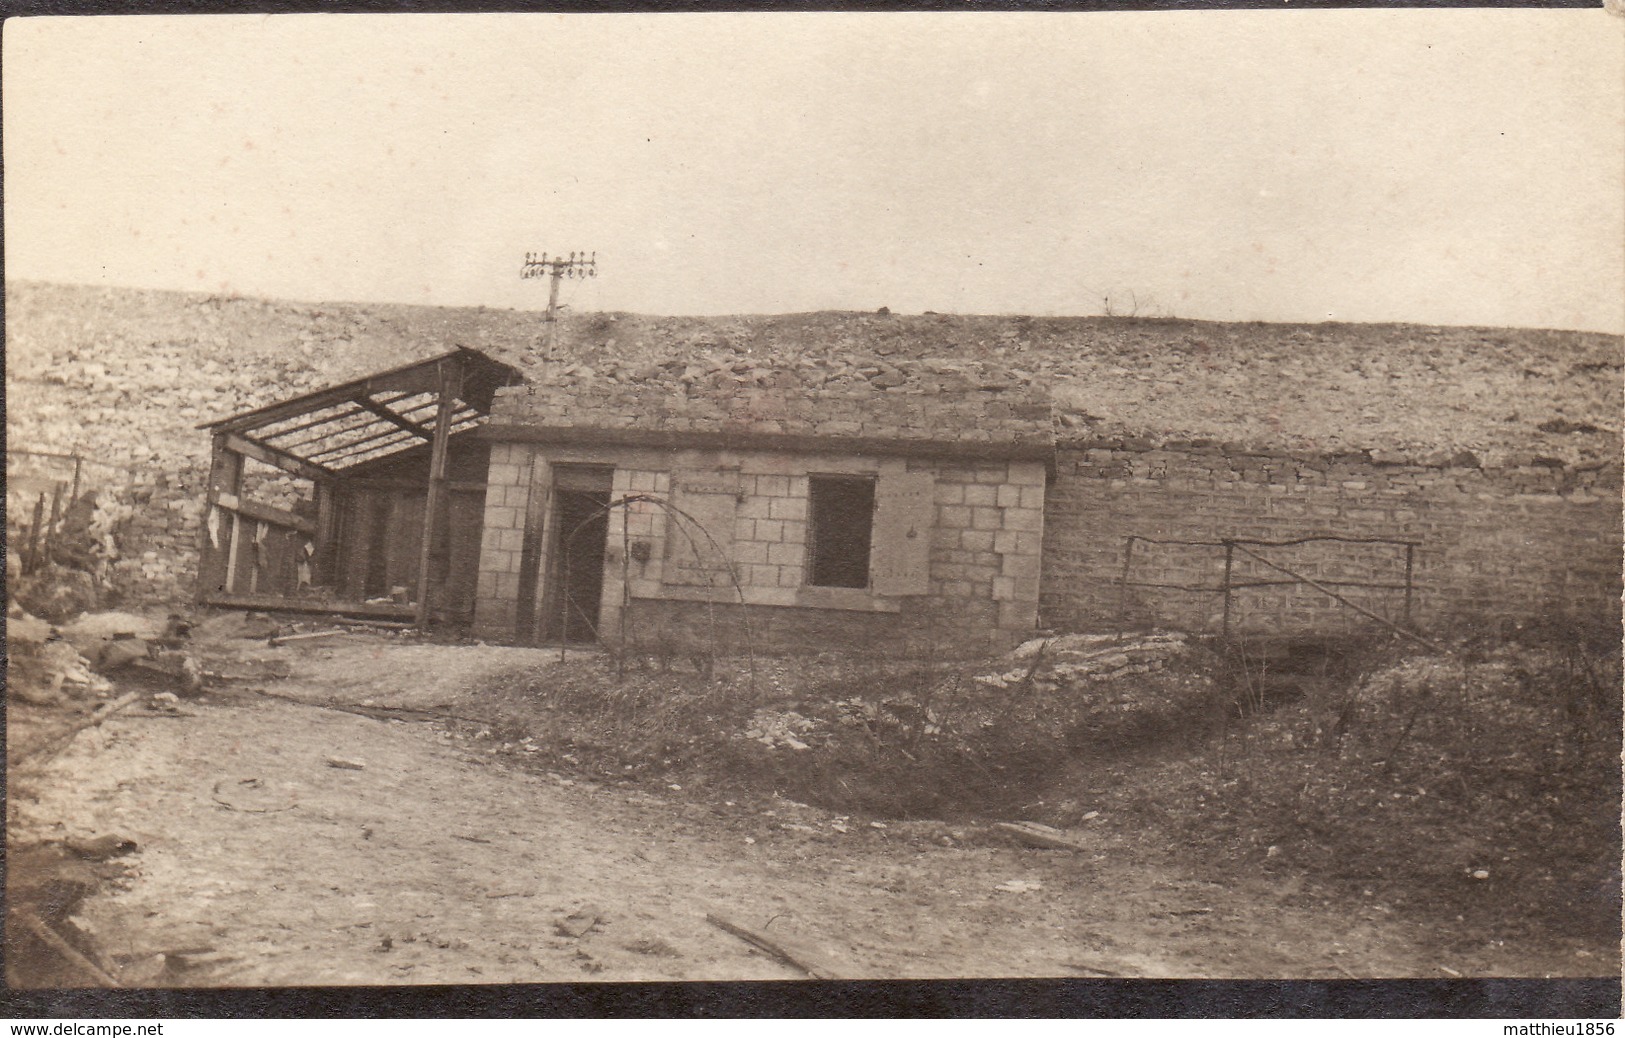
1433,166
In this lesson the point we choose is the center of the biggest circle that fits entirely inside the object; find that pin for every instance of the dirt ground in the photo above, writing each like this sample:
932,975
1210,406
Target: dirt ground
285,839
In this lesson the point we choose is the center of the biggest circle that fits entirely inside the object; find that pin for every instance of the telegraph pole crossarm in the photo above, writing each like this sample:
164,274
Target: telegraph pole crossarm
556,269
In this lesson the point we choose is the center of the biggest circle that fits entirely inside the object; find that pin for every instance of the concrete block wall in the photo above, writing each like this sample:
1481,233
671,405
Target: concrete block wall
1503,544
982,572
986,548
507,496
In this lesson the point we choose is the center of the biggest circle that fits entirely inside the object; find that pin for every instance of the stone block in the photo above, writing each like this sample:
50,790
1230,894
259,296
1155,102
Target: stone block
769,530
977,540
785,554
502,517
1026,519
1018,616
508,584
787,508
953,516
1021,567
982,494
504,474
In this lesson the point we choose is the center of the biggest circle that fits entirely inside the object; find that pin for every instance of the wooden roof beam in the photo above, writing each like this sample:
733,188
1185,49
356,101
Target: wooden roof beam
390,416
276,458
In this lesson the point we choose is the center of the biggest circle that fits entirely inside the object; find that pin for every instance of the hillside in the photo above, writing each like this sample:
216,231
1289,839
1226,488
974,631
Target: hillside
126,374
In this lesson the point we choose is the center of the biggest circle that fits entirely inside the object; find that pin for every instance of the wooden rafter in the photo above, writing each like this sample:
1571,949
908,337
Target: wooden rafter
275,457
390,416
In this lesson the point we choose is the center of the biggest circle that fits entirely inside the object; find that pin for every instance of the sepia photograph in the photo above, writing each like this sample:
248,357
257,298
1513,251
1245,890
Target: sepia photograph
574,499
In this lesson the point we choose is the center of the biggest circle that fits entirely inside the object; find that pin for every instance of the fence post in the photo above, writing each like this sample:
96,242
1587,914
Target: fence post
31,557
56,517
1122,588
1229,559
1410,567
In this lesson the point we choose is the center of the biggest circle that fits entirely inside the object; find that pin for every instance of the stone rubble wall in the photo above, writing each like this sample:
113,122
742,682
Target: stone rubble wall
849,396
1499,544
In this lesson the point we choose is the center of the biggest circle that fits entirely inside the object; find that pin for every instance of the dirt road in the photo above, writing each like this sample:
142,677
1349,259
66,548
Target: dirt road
444,859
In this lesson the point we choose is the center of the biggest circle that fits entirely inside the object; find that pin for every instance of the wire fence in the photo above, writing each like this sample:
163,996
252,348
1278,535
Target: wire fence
32,479
1251,549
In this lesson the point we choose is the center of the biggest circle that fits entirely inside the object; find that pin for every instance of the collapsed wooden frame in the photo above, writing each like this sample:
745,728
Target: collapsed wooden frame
258,555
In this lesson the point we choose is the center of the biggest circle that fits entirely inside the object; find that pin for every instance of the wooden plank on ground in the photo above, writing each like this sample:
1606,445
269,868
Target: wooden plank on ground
67,952
278,604
1042,836
797,959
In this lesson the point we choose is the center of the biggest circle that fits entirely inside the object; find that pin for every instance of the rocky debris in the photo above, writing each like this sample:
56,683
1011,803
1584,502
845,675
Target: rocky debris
776,728
44,672
580,922
111,640
1049,663
25,629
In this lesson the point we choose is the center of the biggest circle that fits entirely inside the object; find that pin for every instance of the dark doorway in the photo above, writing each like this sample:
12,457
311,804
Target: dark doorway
575,578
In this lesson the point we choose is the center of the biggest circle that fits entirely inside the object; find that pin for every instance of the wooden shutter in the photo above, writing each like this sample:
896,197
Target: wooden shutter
905,512
700,529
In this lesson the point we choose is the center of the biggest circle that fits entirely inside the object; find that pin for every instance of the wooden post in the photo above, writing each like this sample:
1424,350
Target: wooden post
1410,569
1122,589
215,569
31,556
1229,561
534,555
323,571
433,504
56,517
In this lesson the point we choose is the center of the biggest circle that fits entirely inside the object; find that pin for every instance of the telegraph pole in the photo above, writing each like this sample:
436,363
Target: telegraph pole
577,265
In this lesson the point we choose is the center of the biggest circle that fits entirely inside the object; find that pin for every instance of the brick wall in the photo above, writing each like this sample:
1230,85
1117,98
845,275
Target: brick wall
979,588
1500,544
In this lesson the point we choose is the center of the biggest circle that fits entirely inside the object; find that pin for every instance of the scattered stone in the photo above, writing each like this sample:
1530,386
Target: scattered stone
578,923
346,764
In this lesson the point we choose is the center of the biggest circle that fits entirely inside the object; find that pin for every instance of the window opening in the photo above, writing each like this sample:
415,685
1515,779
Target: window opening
841,515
